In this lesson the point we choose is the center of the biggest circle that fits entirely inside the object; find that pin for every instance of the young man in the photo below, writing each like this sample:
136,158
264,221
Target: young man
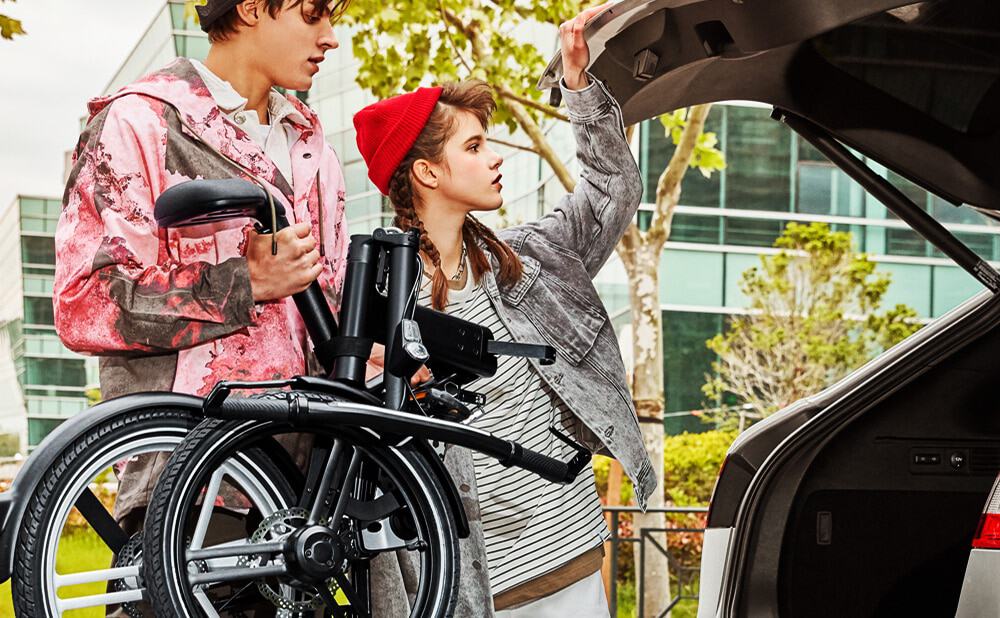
181,309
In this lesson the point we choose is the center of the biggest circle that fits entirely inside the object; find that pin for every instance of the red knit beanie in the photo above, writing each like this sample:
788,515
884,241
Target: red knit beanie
387,129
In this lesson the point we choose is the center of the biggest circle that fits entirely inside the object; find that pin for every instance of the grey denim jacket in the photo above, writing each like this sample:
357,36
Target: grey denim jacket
555,302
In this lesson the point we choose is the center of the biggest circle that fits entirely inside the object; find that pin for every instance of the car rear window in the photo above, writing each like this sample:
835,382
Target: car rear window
942,58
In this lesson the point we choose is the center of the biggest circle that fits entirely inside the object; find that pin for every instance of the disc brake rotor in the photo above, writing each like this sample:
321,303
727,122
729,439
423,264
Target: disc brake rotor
276,527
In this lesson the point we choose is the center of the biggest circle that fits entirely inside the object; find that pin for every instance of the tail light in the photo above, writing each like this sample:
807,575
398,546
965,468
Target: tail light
988,533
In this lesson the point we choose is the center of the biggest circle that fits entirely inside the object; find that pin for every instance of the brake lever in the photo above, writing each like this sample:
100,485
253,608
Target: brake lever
583,454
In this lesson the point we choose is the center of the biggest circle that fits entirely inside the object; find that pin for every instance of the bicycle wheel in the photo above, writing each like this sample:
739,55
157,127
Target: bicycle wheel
72,557
382,500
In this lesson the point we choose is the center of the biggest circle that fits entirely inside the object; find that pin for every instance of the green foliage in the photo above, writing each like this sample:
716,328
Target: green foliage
691,463
402,45
93,396
813,317
706,158
10,27
10,444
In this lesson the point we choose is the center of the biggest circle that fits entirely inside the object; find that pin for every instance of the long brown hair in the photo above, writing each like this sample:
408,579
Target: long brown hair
471,96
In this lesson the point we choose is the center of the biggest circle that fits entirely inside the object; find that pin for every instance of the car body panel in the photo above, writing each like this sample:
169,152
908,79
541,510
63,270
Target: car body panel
806,57
981,587
714,549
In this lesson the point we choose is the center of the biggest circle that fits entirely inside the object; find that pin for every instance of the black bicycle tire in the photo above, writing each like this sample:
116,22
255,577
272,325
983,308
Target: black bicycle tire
29,597
178,474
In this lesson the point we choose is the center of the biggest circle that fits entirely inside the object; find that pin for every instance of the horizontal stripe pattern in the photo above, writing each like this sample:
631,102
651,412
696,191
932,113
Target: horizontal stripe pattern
531,526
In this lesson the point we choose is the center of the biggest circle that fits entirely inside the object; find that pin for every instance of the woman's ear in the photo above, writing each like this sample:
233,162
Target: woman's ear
426,174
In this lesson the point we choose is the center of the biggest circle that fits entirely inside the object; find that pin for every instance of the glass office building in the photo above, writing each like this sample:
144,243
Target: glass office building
722,226
53,380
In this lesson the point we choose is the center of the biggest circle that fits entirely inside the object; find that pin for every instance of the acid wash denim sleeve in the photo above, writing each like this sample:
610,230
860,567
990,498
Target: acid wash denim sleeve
590,221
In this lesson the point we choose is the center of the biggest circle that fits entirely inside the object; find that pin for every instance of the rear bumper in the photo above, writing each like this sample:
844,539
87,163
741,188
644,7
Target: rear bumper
980,590
713,563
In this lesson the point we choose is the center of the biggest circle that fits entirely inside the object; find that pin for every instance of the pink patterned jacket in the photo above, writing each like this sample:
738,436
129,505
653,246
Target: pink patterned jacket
172,310
180,299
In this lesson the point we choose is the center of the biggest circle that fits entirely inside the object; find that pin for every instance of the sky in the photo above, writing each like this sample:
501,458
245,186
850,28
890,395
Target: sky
72,49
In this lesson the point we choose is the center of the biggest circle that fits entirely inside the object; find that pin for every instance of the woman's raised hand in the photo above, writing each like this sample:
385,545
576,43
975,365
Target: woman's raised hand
575,53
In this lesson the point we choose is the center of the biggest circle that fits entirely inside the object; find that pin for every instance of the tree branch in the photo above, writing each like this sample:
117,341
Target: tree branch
545,150
451,41
513,145
507,93
668,187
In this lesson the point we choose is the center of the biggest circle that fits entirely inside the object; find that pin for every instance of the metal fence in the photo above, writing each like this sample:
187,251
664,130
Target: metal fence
683,572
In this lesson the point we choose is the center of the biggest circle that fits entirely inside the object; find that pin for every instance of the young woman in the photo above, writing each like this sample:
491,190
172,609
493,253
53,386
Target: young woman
427,150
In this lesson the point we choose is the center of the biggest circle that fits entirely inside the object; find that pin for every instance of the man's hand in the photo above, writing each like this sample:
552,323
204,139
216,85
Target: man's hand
296,265
575,53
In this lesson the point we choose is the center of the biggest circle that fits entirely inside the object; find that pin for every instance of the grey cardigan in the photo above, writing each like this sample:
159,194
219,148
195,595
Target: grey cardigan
555,302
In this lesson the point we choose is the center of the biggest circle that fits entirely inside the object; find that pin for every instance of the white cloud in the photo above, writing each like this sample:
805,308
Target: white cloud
72,49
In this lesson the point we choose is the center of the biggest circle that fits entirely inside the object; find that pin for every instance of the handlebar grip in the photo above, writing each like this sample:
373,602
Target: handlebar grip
544,466
258,409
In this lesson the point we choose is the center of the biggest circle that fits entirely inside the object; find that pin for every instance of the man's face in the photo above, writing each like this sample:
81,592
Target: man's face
294,42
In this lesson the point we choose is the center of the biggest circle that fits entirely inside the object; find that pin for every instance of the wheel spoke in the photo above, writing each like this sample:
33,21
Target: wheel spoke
232,550
321,502
101,521
94,600
352,595
348,482
236,574
91,577
207,506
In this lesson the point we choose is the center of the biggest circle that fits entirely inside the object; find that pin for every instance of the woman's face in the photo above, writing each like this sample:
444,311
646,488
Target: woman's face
470,170
296,40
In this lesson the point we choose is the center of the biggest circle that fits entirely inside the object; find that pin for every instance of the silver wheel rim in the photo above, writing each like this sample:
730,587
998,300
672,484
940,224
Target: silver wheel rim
127,445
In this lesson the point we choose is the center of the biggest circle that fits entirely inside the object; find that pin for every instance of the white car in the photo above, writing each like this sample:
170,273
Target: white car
864,499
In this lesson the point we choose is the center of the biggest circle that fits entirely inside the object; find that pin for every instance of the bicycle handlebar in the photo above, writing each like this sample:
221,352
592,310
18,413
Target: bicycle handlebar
299,410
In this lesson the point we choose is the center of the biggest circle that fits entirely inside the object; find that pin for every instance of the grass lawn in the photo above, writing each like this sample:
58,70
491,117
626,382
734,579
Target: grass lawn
80,550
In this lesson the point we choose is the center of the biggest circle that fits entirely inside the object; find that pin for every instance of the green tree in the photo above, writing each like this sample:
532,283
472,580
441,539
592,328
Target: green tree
10,27
640,250
813,316
402,44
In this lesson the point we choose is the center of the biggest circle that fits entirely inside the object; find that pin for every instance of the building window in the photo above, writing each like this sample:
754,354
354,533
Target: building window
35,250
752,232
758,160
696,228
38,310
38,428
696,190
56,371
686,362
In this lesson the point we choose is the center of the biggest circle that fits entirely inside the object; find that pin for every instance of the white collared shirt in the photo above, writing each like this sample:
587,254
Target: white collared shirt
275,144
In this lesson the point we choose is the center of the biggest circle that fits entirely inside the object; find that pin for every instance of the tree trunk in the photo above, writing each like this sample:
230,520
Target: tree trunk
647,390
613,498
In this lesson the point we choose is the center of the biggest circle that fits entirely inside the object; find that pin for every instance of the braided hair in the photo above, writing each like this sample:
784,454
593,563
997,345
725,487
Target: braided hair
476,97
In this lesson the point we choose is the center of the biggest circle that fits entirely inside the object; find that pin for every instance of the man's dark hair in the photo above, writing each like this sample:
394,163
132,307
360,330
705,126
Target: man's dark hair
227,24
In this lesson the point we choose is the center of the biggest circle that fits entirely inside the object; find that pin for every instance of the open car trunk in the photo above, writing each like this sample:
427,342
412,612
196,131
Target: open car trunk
862,500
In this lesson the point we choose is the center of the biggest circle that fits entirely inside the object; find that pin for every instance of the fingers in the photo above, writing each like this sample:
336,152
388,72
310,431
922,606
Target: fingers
302,230
305,246
422,375
594,10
